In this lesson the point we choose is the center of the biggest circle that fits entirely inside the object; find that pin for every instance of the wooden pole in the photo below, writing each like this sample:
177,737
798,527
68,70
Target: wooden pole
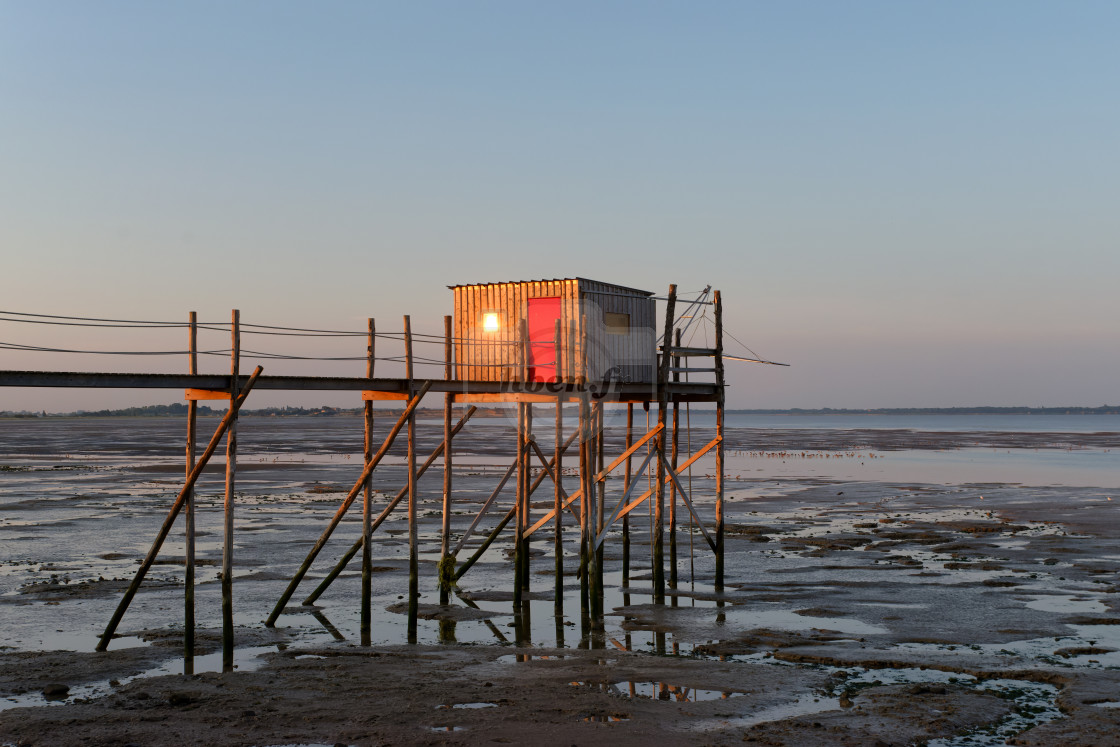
519,494
600,498
346,503
486,544
518,540
672,486
367,498
523,518
720,397
594,599
584,472
188,509
662,400
231,471
176,507
413,497
626,491
557,459
526,557
446,561
349,554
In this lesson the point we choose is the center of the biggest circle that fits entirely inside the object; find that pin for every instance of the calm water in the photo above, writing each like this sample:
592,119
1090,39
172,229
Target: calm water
1002,423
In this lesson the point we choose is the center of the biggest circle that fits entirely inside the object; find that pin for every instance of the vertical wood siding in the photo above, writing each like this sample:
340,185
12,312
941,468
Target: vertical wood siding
498,356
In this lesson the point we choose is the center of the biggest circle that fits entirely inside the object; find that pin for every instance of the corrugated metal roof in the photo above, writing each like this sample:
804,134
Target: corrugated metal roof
615,286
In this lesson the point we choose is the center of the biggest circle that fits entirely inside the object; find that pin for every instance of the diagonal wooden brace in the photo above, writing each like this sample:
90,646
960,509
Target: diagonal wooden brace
645,496
349,555
485,507
177,506
287,595
684,494
622,501
598,478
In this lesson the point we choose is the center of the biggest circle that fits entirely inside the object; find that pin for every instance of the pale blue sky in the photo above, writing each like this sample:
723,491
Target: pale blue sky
912,203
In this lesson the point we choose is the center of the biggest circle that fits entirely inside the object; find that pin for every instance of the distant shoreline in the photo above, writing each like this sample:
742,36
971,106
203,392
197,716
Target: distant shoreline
181,409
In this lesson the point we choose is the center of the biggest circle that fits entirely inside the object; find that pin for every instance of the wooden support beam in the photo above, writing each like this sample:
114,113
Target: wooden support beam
684,494
568,500
349,555
626,489
176,507
720,395
659,484
485,507
493,397
194,395
526,558
686,352
188,509
688,463
366,623
346,503
622,501
674,369
557,493
445,528
486,544
413,497
231,471
370,396
619,392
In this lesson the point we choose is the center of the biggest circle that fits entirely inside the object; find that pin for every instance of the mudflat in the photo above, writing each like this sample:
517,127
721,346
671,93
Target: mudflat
860,607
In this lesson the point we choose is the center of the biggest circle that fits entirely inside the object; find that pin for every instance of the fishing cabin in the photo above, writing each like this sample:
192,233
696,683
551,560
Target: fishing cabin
568,330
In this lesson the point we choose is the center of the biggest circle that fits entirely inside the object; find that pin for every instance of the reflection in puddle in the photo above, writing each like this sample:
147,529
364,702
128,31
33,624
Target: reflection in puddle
245,660
448,728
512,658
804,705
658,691
469,706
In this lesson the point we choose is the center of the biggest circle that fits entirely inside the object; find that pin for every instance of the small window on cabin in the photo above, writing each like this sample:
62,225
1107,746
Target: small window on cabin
617,324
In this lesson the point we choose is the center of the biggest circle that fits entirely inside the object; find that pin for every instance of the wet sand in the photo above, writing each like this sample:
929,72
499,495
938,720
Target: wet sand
862,607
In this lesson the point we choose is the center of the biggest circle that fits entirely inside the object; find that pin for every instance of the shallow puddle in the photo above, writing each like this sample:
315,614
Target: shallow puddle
661,691
245,660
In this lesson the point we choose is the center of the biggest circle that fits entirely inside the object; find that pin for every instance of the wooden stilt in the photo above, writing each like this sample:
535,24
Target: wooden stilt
176,507
600,499
526,556
349,555
518,540
346,503
558,491
413,497
188,512
367,498
626,490
720,397
659,482
523,517
585,484
231,471
594,595
673,487
446,561
466,566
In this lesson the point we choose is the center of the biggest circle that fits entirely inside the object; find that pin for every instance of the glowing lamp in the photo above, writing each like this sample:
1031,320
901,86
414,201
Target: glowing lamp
490,322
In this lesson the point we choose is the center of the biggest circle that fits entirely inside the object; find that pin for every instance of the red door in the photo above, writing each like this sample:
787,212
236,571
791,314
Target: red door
543,313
